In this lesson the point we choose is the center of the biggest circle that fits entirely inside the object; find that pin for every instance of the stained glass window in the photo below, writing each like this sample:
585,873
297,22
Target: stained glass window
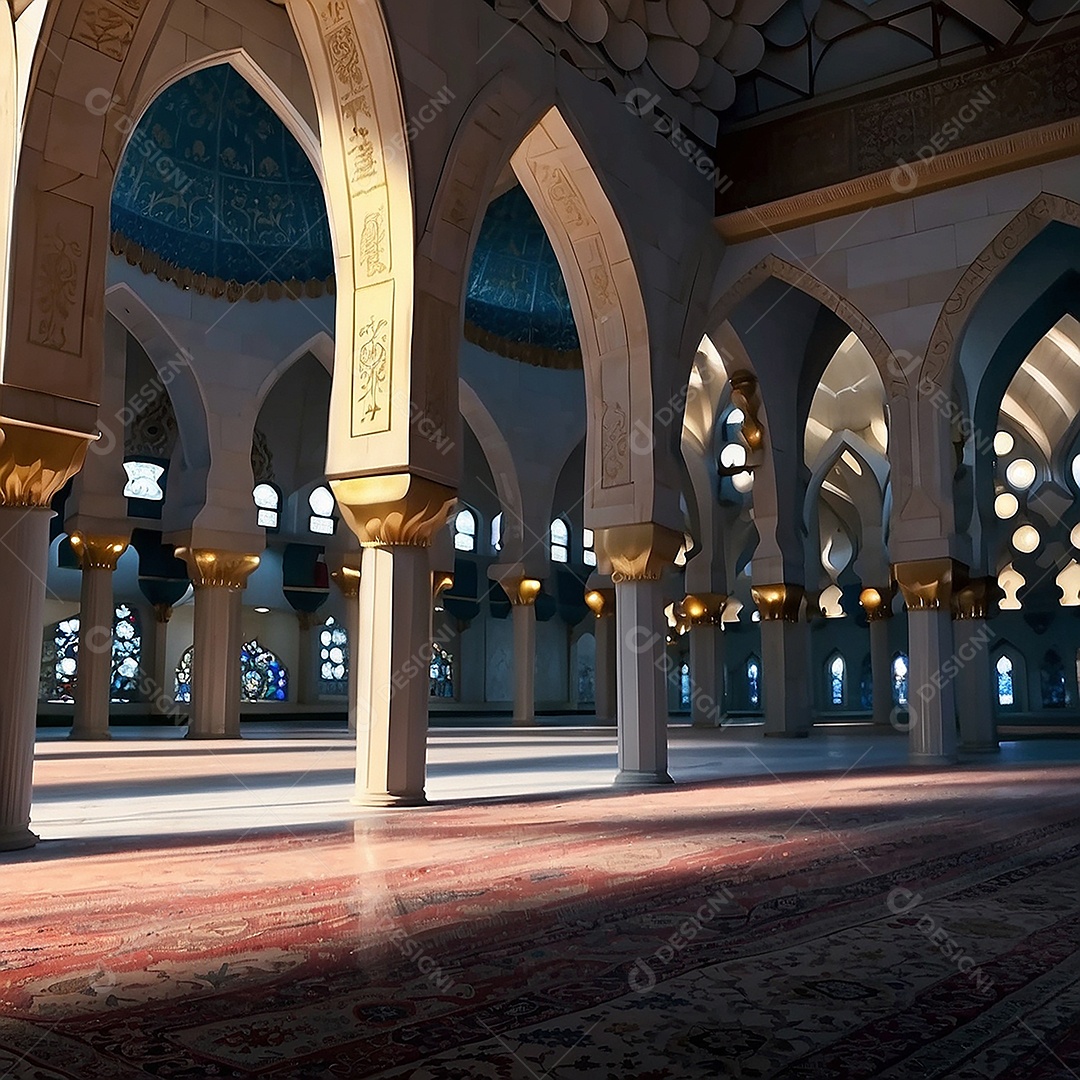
900,680
182,693
334,656
1005,686
268,504
837,669
560,541
465,531
753,682
1054,695
322,504
866,684
263,676
684,686
442,673
60,661
126,654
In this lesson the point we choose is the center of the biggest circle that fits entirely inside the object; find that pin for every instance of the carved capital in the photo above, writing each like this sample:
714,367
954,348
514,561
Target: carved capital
778,603
877,603
98,552
163,612
347,579
521,589
928,585
401,510
36,462
212,569
977,599
601,602
704,609
744,395
442,582
638,552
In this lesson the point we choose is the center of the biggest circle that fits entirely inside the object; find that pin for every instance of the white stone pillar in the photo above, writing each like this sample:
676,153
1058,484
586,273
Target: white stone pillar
785,661
973,639
927,587
219,578
348,581
523,614
708,670
98,556
24,561
877,604
393,678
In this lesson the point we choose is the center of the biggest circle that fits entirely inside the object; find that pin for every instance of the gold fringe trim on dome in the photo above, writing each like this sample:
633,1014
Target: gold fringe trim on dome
537,355
182,278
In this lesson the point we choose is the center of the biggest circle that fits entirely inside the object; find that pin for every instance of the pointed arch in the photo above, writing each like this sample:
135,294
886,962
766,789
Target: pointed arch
319,345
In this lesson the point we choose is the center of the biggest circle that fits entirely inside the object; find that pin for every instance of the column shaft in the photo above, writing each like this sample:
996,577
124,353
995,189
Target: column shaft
785,683
306,686
607,674
232,649
642,685
162,694
931,687
524,626
352,626
93,687
212,682
24,558
881,672
975,686
707,675
393,682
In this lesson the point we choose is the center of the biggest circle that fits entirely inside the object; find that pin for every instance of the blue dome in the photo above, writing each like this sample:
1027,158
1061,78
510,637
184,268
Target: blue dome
213,183
517,303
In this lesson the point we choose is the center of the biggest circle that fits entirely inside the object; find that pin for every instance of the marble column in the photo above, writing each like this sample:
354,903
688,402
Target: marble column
24,554
785,661
927,587
219,578
395,518
523,613
98,556
606,681
347,579
638,556
973,605
708,661
877,603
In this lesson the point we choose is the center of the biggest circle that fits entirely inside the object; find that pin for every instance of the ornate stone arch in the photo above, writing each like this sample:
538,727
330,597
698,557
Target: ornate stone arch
938,368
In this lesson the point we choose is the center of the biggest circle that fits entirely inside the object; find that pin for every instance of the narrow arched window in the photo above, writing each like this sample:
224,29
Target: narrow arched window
560,541
684,686
182,688
1006,686
465,530
900,679
263,677
267,500
837,674
1054,692
753,682
322,504
588,547
126,654
497,533
334,659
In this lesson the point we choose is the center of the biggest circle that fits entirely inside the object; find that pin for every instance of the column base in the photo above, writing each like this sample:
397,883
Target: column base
17,840
383,800
708,725
981,748
209,735
642,778
931,759
787,734
78,736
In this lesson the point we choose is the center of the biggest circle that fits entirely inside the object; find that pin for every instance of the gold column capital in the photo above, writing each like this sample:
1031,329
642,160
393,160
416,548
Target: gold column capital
929,584
442,582
744,395
36,462
704,609
211,568
778,603
638,552
523,592
877,603
398,510
976,599
163,612
98,552
347,579
601,602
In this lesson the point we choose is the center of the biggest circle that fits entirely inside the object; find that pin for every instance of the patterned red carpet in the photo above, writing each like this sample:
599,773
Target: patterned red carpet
898,926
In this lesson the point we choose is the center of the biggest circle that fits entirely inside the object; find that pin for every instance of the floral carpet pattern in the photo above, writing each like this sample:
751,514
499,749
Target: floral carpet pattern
893,925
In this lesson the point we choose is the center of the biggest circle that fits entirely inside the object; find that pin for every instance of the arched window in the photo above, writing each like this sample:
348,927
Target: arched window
753,682
322,504
182,690
263,676
1054,693
496,533
560,541
1006,686
268,504
465,530
684,686
126,654
442,673
866,684
334,657
900,679
60,661
144,481
588,547
837,677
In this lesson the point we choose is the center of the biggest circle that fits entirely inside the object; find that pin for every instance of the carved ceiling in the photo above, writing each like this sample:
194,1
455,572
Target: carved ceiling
738,58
